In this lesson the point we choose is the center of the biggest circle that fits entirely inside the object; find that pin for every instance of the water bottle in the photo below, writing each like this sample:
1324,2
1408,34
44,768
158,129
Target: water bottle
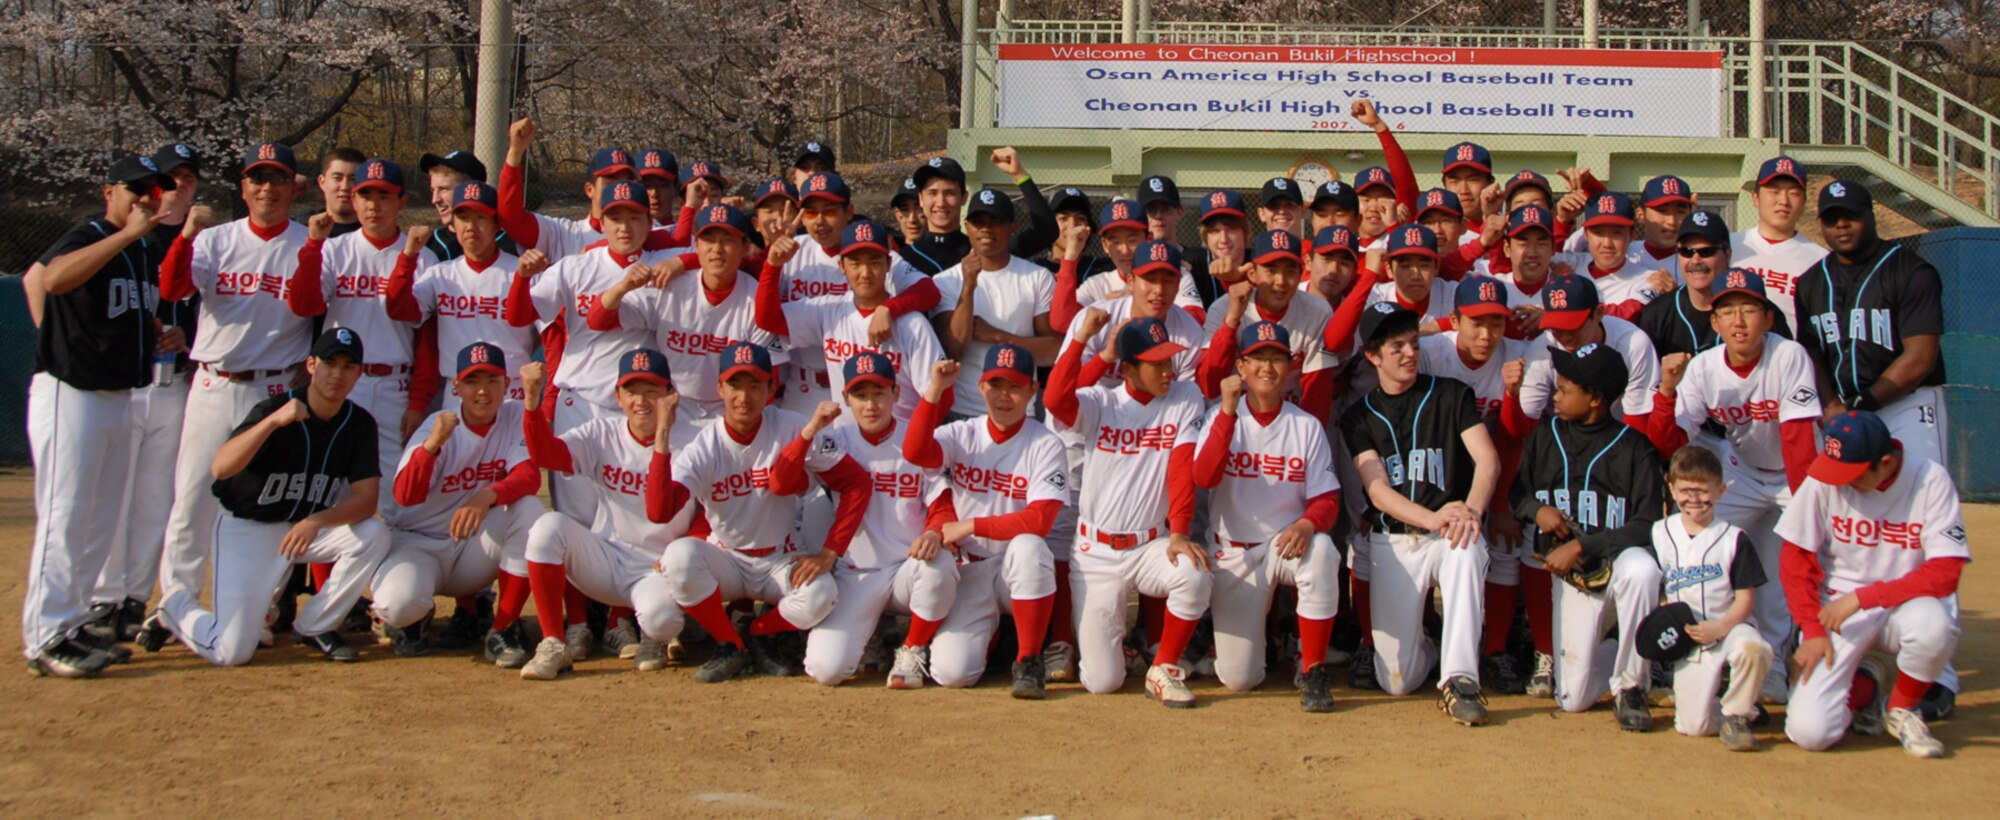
164,371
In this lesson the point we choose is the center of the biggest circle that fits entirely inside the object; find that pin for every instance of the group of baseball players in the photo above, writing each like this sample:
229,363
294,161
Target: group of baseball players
770,425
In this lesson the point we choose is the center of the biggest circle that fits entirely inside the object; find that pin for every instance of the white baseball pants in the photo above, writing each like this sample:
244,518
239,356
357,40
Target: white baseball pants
1697,677
1919,421
134,565
1753,500
1581,618
249,572
215,406
1921,634
575,495
1245,578
695,569
925,589
1402,570
608,572
385,398
1026,571
1101,579
78,439
420,567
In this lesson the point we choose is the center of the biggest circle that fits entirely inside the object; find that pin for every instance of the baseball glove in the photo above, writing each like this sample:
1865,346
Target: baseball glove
1591,573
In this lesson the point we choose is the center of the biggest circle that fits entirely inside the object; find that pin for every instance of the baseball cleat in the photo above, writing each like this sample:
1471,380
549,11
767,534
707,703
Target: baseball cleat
103,622
1736,735
1059,657
131,614
677,652
768,656
621,641
408,641
1938,704
1868,720
578,638
1634,713
361,618
1542,684
1338,657
1908,727
913,664
1316,690
1361,675
507,648
550,661
1775,692
728,663
1461,699
1165,683
68,659
1031,679
103,645
153,632
649,655
461,631
1501,672
330,645
1660,687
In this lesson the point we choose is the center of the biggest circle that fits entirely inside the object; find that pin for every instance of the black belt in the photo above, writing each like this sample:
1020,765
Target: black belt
1390,525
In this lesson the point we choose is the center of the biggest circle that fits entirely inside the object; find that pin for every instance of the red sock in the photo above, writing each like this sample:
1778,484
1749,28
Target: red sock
712,617
1174,635
771,622
1535,585
547,582
921,631
1031,624
513,593
1908,691
577,603
1314,635
1060,626
320,572
1153,613
619,614
1499,615
1860,693
1362,614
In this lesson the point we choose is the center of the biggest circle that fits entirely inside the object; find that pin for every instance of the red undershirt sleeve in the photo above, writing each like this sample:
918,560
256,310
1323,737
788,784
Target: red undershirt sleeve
548,451
521,481
413,482
851,482
1800,574
176,270
788,470
1935,578
402,305
1063,307
513,213
664,495
1217,362
519,309
920,445
1799,441
1035,519
1214,451
1061,393
1323,511
305,296
1180,490
918,299
770,303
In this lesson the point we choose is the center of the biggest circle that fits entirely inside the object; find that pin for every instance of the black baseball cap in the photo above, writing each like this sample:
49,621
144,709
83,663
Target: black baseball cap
1663,634
814,149
338,341
1598,368
177,155
908,190
1158,189
1842,195
136,168
991,202
461,161
1705,225
944,168
1073,199
1277,188
1384,319
1335,192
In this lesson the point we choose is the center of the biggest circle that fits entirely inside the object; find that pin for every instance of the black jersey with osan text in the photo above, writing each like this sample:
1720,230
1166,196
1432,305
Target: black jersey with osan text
100,335
1604,475
1419,436
304,467
1855,315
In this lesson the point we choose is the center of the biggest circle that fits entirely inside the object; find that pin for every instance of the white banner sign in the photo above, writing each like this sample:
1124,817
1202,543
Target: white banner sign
1311,88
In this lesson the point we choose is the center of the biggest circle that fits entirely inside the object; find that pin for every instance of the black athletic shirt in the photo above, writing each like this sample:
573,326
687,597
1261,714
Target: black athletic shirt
101,335
445,245
1675,325
1605,476
304,467
1857,315
935,253
1418,435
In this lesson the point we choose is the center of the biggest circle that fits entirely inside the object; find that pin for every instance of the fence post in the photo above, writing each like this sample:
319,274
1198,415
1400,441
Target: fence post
968,66
1758,70
496,75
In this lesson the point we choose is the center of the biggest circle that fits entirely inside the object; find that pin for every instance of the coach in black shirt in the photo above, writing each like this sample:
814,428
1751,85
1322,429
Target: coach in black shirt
941,195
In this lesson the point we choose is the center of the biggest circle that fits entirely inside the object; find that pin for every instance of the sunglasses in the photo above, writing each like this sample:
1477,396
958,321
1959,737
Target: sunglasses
1690,253
142,188
269,178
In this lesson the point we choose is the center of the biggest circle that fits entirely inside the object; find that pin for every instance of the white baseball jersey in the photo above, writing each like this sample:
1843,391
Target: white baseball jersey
469,304
1779,388
1539,382
1126,446
1182,330
1518,297
1099,286
991,478
1438,355
813,272
1780,263
244,323
843,331
561,238
1627,283
1009,299
1704,570
691,327
1866,537
467,463
1577,246
1270,473
731,480
1440,305
1305,318
590,357
902,492
603,452
354,276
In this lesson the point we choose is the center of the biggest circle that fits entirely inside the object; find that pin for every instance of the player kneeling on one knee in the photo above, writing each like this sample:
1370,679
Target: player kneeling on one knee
1590,484
1008,479
1272,499
465,499
896,562
1428,466
613,559
1712,574
1874,544
297,482
743,472
1137,506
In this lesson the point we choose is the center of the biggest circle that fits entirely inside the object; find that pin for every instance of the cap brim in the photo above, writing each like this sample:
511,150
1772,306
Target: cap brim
1372,186
1122,223
1014,376
1440,209
626,203
611,169
1149,267
268,163
826,195
715,178
1564,319
1266,202
991,213
644,377
1656,202
1484,169
1834,471
1261,345
1427,253
876,378
659,172
1159,352
1717,298
378,183
1484,309
1326,249
483,367
1766,179
1521,229
1221,212
1151,197
474,206
1849,208
852,247
752,369
1614,221
1276,256
773,195
1334,200
1518,185
719,226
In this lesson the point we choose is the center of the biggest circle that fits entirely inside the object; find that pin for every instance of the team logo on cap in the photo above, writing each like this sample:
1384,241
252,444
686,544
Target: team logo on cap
1004,357
813,148
1281,241
345,336
1157,331
745,356
817,183
1384,307
864,232
618,157
1156,185
1531,216
937,162
909,183
1586,350
1832,447
1333,187
1735,280
1218,199
864,365
375,170
621,191
719,213
1558,299
1121,211
1784,166
147,162
478,354
642,361
985,197
1487,292
651,159
1157,254
1837,189
1072,192
1434,199
183,151
1525,176
1464,153
1700,218
1670,186
471,191
1605,204
1281,183
269,151
1267,332
1341,235
1412,236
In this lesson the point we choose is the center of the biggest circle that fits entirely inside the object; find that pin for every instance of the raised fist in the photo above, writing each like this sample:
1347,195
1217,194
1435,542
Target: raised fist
1512,374
1363,112
1007,160
293,411
319,226
1232,390
945,371
419,237
532,262
441,430
532,376
1094,320
1673,367
1074,238
521,132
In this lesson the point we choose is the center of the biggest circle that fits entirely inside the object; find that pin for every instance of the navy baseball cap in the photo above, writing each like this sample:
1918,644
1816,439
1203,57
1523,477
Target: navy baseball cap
379,173
908,190
1609,208
944,168
177,155
1275,246
814,150
992,203
1220,202
622,194
703,169
461,161
1781,167
829,187
1439,199
1842,195
1530,217
1412,240
477,196
659,162
1567,301
1335,192
270,155
862,235
1154,254
1120,213
1528,179
1259,335
1666,189
1337,239
1158,189
1597,368
1371,177
610,161
1468,155
1854,441
1740,280
138,168
1277,188
1071,199
774,188
1010,361
1145,340
868,366
338,341
644,364
722,217
1706,225
481,357
1481,296
1384,319
745,357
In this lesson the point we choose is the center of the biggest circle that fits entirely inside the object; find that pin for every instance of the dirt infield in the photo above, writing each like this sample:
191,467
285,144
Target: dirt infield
291,735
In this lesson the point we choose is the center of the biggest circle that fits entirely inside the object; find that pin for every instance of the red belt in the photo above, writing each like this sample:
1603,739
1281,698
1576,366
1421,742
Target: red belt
758,553
1242,545
385,369
246,375
1120,541
819,376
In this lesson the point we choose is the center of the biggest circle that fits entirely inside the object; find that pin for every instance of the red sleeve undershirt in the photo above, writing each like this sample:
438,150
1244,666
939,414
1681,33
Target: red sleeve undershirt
1061,393
1323,511
1935,578
919,299
1063,307
1515,421
1214,451
1180,490
1799,442
601,318
176,276
1663,427
522,480
514,216
1347,316
684,227
851,483
1628,310
941,512
1399,169
1035,519
543,446
920,445
413,482
1316,392
424,377
770,303
402,286
664,495
1454,266
1218,362
305,297
788,470
1801,575
519,309
1509,450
